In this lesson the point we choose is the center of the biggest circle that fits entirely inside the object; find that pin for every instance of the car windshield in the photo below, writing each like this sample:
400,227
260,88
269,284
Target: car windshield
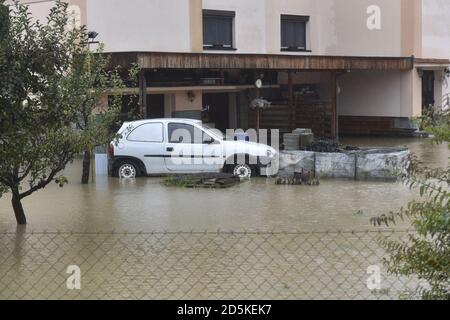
216,132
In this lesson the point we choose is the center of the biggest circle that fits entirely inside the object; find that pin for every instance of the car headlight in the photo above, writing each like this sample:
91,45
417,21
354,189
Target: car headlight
270,153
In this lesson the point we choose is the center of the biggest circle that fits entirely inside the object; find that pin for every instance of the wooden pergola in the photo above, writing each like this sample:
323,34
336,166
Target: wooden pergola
283,63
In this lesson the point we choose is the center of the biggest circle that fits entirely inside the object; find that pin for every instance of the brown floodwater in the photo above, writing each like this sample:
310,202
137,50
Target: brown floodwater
211,265
147,205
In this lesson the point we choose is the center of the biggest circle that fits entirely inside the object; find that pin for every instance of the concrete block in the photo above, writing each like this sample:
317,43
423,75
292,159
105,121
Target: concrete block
381,166
101,164
295,161
335,165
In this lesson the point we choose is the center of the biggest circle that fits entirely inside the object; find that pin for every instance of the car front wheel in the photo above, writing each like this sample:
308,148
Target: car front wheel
243,171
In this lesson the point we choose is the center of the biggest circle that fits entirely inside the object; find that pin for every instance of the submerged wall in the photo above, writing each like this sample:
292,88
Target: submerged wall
369,164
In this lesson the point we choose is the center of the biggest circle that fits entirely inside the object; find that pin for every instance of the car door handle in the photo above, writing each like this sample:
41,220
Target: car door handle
170,149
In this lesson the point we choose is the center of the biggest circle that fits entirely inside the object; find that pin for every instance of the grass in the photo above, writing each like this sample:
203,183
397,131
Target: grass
181,181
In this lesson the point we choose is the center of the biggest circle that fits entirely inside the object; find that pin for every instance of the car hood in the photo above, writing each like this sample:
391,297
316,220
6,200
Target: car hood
247,147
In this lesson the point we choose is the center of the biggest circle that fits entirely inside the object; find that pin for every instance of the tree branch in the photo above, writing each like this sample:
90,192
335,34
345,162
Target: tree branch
43,183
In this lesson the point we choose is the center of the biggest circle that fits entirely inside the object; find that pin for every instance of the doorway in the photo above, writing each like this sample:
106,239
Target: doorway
155,106
216,110
428,89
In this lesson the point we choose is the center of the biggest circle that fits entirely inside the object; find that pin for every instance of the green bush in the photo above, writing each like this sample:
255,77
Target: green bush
426,253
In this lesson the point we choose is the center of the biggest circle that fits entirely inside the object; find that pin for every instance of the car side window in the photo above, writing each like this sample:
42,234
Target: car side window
185,134
148,132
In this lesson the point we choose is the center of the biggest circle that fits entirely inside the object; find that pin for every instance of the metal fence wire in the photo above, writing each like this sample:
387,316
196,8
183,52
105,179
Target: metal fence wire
204,265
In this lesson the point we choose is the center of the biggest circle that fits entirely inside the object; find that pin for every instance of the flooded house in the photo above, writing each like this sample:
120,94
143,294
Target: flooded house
339,67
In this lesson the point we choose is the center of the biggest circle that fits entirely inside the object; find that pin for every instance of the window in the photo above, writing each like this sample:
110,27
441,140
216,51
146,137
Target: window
149,132
218,30
293,33
186,134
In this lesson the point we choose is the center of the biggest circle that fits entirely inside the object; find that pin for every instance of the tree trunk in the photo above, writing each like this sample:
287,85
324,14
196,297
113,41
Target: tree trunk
18,208
86,167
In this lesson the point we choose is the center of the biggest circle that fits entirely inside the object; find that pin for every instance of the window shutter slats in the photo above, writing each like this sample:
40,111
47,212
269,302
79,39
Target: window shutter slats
218,29
293,32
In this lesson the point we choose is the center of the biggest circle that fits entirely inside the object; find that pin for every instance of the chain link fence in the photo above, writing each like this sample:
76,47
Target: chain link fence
195,265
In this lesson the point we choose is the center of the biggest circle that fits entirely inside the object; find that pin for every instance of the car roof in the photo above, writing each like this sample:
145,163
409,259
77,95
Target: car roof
164,120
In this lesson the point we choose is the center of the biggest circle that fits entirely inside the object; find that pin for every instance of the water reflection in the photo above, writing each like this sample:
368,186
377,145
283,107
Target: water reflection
147,205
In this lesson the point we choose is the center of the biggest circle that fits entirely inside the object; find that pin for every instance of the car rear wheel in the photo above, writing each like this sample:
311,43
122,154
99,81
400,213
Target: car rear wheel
127,171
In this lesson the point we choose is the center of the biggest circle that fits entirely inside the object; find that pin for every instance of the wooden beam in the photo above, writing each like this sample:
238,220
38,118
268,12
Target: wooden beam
291,103
334,117
170,60
432,62
162,90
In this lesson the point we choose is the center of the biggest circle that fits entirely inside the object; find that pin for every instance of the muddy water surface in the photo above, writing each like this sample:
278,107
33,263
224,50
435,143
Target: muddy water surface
147,205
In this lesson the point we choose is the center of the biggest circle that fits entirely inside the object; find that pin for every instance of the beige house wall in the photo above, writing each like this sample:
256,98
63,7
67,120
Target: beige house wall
41,9
196,25
274,10
411,94
249,25
411,28
337,27
370,94
380,94
80,5
142,25
179,102
436,29
436,41
416,93
184,103
445,87
343,28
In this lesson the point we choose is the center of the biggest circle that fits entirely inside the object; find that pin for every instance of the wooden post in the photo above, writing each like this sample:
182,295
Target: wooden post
257,114
293,120
257,95
257,121
334,118
142,94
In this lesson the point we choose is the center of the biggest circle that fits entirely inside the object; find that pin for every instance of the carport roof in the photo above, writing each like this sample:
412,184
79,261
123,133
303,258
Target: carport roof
171,60
432,63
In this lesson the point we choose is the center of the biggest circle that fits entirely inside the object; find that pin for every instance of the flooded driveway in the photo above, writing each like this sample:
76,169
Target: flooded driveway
147,205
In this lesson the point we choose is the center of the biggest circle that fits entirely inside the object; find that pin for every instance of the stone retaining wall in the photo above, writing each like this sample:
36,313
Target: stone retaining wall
367,164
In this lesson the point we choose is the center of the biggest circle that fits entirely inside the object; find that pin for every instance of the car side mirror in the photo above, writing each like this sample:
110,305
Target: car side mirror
208,140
